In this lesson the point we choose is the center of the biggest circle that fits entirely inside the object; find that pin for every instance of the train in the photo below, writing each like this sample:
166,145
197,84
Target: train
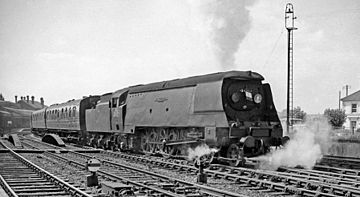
231,111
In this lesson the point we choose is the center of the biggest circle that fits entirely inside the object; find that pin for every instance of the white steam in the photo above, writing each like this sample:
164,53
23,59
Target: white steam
200,151
224,24
307,146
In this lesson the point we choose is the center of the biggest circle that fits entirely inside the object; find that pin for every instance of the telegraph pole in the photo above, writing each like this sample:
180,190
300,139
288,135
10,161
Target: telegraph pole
339,98
289,25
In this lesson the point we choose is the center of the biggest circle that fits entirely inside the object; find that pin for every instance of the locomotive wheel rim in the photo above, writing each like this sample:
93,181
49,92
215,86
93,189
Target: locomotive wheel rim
153,138
173,135
144,143
147,140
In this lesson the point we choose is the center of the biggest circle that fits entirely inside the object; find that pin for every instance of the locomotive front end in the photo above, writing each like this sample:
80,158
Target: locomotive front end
254,125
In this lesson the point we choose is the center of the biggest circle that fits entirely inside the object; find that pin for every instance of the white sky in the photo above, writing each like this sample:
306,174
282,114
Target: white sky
62,50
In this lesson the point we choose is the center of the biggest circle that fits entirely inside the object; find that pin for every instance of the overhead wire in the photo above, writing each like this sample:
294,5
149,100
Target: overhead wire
273,49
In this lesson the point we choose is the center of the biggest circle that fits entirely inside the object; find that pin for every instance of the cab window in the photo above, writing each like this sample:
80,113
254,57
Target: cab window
114,102
122,98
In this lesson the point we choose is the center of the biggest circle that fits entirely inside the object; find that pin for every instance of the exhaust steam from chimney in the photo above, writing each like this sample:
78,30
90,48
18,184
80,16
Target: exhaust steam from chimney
224,24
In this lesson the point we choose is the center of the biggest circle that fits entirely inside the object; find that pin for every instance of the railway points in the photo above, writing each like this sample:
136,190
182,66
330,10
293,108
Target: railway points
322,180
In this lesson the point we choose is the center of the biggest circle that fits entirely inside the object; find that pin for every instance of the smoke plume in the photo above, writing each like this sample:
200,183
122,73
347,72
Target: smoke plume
307,146
199,151
224,24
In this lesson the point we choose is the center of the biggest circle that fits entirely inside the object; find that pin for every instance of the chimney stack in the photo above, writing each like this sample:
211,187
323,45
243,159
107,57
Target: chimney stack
15,99
32,99
27,98
42,101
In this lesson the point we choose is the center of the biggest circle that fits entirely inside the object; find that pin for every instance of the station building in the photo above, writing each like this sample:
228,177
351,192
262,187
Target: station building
351,105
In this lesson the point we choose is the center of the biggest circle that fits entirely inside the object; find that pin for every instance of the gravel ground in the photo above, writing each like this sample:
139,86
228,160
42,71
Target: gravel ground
73,175
188,177
77,177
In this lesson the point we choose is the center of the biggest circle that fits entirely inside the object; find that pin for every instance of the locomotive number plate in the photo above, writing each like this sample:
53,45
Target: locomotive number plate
194,134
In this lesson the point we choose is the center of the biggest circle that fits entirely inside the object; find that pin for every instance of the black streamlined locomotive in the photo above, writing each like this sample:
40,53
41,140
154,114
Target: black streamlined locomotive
231,111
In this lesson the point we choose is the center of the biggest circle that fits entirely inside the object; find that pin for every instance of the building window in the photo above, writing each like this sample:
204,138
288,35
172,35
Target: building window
353,108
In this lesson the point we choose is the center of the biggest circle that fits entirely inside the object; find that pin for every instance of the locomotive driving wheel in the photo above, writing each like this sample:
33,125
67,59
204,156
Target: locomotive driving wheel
148,142
168,136
235,154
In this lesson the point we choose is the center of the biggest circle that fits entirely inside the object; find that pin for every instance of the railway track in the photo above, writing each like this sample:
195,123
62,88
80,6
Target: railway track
321,181
339,161
21,177
285,181
141,181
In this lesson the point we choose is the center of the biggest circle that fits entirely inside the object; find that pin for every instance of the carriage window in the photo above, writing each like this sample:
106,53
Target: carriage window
74,111
114,102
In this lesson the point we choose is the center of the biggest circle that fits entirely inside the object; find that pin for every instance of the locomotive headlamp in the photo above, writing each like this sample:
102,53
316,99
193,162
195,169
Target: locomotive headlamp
235,97
257,98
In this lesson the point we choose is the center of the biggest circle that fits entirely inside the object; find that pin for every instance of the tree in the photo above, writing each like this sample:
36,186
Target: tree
298,113
335,117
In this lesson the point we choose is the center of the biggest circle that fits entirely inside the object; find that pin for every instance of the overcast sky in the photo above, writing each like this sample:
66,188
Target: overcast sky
62,50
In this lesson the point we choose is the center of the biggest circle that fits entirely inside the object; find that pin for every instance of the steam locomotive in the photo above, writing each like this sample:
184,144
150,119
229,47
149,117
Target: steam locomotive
231,111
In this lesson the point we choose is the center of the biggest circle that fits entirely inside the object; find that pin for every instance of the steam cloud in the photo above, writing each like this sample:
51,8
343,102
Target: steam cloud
306,147
199,151
224,23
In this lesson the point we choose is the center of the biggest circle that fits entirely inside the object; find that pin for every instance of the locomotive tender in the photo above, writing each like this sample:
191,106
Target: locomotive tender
232,111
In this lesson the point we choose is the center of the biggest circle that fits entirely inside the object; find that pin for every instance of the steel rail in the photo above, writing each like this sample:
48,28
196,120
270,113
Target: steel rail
300,182
208,190
7,187
48,176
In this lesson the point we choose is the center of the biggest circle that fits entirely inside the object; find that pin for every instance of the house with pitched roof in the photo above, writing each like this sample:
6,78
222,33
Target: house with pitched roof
351,105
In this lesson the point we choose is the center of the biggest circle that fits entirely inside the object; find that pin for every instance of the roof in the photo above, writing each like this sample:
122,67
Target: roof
7,111
352,97
70,103
192,81
20,109
31,105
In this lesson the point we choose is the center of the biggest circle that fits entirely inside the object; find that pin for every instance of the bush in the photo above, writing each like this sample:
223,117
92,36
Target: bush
335,117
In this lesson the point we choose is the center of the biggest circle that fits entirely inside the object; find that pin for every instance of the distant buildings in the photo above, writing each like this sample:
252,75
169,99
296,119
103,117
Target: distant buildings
351,105
17,114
